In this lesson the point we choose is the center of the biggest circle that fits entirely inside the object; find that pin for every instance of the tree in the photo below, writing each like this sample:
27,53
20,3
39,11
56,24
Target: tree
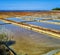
56,9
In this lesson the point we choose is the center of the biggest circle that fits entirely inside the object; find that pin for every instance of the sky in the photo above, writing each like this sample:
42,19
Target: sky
29,4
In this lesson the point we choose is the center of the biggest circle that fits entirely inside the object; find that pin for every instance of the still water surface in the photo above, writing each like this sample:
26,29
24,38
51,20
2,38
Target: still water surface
37,38
46,25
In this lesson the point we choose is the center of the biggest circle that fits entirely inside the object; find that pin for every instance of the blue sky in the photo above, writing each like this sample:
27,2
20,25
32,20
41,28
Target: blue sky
28,4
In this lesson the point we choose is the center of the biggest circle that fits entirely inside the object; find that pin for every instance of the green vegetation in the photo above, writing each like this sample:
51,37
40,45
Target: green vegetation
4,45
3,37
56,9
3,49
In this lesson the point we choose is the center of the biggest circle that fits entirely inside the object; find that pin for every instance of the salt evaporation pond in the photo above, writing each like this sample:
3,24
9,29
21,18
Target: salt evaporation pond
46,25
53,21
31,36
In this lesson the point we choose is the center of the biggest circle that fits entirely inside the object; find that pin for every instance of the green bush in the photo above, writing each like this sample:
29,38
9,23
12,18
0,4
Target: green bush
3,37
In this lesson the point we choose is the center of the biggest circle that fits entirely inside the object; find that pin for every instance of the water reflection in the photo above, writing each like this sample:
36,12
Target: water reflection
54,21
46,25
15,19
29,38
